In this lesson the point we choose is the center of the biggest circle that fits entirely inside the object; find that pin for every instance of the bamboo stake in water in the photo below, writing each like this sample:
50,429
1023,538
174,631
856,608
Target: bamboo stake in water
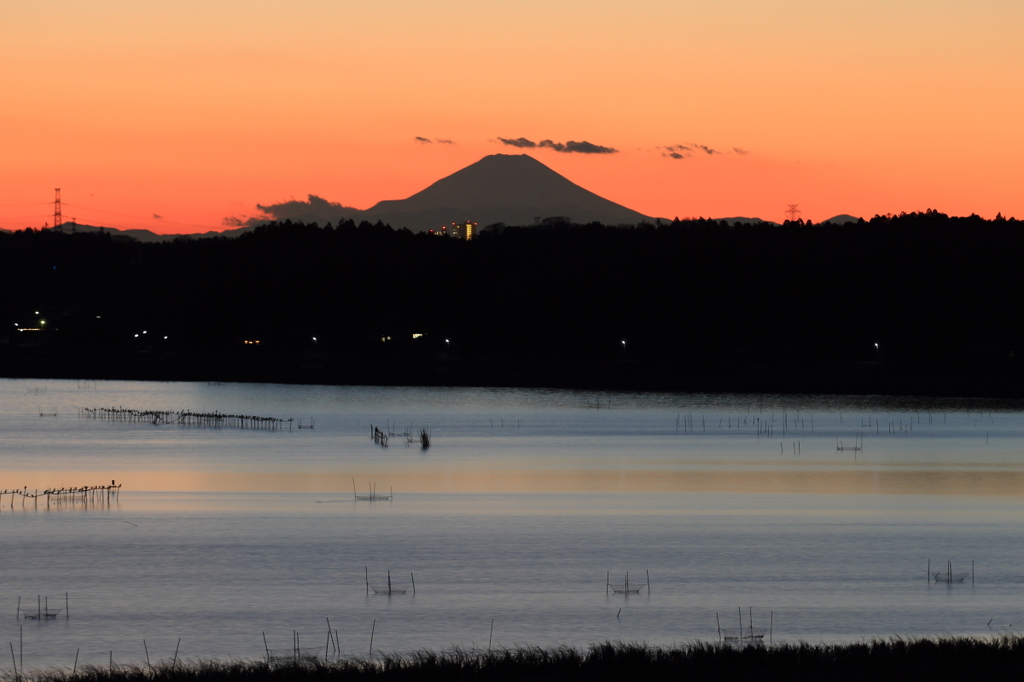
366,570
75,669
491,637
413,578
266,647
19,608
175,661
14,661
67,609
719,624
648,581
147,653
372,630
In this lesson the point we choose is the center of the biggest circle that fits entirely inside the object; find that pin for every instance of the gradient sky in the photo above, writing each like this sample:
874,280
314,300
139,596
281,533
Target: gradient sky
197,111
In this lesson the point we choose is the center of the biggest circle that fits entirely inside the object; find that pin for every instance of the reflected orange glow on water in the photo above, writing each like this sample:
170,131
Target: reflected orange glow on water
1005,482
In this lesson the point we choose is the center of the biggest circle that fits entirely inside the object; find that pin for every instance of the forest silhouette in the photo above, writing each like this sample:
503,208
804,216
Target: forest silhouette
699,305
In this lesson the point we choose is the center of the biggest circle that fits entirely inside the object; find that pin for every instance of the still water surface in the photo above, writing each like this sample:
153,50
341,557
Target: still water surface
523,504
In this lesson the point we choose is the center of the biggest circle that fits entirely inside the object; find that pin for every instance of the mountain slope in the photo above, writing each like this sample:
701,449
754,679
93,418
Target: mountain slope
513,189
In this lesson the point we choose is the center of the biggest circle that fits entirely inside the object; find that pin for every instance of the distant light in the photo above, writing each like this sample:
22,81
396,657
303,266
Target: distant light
145,332
42,322
314,338
136,336
165,338
15,324
623,343
416,336
37,312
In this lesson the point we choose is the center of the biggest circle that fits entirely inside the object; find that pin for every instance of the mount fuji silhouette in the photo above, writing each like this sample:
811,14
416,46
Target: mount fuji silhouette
500,188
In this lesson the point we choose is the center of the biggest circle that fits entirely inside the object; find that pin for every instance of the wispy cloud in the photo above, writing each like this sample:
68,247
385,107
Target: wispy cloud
440,141
158,217
685,151
427,140
570,147
521,142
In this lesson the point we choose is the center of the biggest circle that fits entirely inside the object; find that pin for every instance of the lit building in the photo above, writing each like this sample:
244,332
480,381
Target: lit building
464,230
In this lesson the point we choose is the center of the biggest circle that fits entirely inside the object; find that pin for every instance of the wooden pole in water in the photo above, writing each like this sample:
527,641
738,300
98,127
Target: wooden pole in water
771,626
266,647
740,611
972,571
719,624
607,583
67,610
929,570
14,661
372,630
75,669
366,570
147,653
19,609
648,581
329,638
413,579
175,661
491,637
39,607
389,583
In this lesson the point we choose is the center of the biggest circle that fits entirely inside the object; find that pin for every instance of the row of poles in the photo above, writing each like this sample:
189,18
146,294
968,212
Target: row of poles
88,493
185,418
19,661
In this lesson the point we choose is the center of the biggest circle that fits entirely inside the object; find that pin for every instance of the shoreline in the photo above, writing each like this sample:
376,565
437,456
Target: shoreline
1000,657
998,381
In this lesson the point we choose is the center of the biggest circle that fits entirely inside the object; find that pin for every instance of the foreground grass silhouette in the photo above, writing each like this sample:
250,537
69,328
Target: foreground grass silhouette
894,659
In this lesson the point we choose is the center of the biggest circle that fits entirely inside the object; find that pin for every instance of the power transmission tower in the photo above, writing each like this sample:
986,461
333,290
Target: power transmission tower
793,214
57,219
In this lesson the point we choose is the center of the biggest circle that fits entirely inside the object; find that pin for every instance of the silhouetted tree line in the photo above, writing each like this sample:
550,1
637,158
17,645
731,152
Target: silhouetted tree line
926,287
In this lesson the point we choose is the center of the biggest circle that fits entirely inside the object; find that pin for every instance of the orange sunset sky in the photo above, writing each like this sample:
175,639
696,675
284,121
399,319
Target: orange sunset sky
197,111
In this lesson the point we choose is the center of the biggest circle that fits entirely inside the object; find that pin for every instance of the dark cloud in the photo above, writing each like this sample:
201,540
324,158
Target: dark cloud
520,142
422,140
315,209
570,147
676,151
158,217
439,141
573,147
684,151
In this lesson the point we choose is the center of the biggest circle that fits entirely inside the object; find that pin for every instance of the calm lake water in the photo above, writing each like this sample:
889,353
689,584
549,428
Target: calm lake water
524,503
